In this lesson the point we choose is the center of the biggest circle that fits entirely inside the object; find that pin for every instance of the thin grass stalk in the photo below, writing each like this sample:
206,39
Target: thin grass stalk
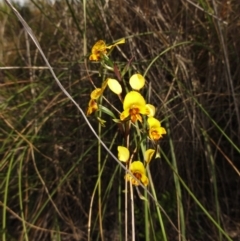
90,210
146,217
120,205
31,76
143,148
131,193
225,156
27,185
56,236
20,194
132,212
213,179
127,130
160,219
126,207
181,219
33,93
146,204
5,199
84,28
154,236
99,179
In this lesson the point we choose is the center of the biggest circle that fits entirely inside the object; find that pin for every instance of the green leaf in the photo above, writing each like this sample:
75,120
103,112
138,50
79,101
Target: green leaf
106,111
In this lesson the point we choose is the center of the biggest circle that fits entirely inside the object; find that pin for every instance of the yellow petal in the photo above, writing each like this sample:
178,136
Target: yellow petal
94,57
162,130
137,81
124,114
123,153
121,41
138,170
132,99
96,93
155,133
99,46
114,86
151,110
144,180
143,110
153,122
148,155
92,107
155,129
104,84
137,167
98,49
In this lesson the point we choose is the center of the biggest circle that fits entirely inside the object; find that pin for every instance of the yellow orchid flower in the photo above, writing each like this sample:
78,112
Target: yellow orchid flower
134,104
95,94
148,155
123,153
100,48
137,81
92,107
155,129
138,170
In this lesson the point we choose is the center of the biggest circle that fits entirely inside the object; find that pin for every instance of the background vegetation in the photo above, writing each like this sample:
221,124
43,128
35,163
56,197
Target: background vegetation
189,51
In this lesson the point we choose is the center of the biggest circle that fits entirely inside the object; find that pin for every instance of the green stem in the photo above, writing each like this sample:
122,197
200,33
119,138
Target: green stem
99,180
213,178
126,208
127,130
146,217
157,206
120,205
4,212
181,219
20,195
